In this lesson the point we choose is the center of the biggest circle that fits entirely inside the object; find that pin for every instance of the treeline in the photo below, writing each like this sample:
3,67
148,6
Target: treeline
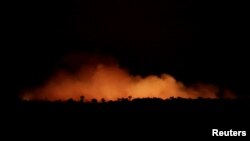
202,105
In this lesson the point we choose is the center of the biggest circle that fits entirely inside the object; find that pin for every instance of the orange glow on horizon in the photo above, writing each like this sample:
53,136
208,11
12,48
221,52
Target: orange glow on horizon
107,80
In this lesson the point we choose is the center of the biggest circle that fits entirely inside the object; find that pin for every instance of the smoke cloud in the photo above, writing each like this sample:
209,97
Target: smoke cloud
101,77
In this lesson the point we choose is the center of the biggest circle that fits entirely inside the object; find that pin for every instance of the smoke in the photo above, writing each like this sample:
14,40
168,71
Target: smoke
101,77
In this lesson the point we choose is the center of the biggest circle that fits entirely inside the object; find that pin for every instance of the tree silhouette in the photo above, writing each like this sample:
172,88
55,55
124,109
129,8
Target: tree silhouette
70,100
103,100
82,99
129,98
94,100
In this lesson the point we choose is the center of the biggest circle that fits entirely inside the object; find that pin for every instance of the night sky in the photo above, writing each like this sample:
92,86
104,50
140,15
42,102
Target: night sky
193,41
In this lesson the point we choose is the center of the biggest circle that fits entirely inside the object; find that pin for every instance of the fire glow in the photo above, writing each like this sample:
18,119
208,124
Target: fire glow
98,79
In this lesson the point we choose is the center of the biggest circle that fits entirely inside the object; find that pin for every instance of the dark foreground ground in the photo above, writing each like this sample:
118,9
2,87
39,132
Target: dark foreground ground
143,118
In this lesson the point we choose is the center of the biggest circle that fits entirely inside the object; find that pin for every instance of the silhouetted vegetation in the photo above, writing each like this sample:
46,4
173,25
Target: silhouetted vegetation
137,105
81,98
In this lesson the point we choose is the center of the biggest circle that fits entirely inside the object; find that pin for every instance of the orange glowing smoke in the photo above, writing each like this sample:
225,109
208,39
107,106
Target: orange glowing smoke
98,79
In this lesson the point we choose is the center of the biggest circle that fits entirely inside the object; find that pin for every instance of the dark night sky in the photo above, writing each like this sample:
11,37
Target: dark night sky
192,40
